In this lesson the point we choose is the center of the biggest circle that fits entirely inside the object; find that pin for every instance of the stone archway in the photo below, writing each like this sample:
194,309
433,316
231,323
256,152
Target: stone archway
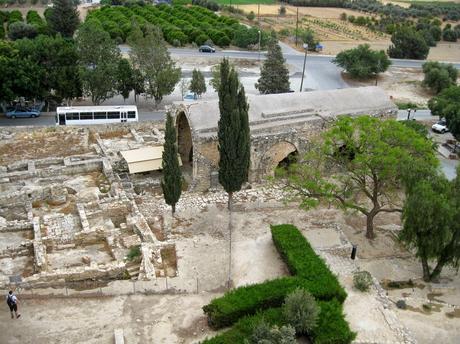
184,139
280,153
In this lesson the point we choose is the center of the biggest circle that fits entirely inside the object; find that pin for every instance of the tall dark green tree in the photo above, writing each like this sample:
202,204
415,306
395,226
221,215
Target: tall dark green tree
233,132
197,85
172,175
64,17
125,78
274,75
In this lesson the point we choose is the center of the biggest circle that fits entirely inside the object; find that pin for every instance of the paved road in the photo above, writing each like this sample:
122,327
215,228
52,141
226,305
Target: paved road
320,72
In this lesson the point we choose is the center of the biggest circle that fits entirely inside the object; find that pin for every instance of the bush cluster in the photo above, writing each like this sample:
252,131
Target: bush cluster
362,280
331,328
179,24
20,27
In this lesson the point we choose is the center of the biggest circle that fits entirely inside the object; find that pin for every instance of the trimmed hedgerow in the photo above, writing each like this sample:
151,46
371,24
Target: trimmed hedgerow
299,256
247,300
331,328
311,273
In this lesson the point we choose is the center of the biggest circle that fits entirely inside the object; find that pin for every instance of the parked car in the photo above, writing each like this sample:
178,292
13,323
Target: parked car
22,112
440,127
206,49
190,96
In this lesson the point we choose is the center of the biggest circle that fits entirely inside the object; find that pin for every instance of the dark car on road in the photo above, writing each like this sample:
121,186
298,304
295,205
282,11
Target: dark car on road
206,49
22,112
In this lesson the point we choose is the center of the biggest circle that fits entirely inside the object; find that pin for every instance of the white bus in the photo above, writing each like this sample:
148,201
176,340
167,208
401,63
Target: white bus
83,115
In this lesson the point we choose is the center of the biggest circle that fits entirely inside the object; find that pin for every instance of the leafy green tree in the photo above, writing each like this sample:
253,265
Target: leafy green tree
139,83
439,76
308,36
362,62
359,165
301,311
233,132
19,77
171,182
20,30
449,35
431,218
150,56
264,334
197,85
98,59
64,17
447,105
408,44
57,59
125,78
274,75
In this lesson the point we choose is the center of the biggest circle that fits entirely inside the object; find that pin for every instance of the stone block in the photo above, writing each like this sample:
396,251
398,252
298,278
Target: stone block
118,335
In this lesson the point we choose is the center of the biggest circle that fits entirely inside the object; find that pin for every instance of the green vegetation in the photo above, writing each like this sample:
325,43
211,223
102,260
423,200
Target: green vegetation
405,106
134,253
358,165
447,105
439,76
274,74
180,25
97,50
312,275
197,84
407,43
362,62
362,280
245,2
301,311
331,328
150,55
263,333
64,17
431,220
233,132
172,175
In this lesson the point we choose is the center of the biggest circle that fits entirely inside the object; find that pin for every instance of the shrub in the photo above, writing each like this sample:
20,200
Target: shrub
264,334
282,10
20,30
331,328
439,76
201,39
301,311
362,280
134,253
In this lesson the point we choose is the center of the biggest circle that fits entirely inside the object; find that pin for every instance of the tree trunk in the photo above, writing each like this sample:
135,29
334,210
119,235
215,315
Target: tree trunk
437,270
370,225
426,270
173,207
230,198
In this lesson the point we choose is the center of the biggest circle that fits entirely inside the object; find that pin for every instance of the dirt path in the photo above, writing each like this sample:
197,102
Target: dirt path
165,319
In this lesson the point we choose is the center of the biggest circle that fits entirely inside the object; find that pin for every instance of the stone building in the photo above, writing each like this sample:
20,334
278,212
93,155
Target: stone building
281,125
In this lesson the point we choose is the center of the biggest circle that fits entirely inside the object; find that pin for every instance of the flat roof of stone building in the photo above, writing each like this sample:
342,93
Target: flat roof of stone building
266,111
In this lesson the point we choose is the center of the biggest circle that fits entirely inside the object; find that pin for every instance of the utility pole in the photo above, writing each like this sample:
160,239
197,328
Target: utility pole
297,27
305,46
259,43
258,14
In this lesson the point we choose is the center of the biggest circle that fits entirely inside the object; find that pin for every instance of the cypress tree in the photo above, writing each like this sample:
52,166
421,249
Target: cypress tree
274,75
172,175
198,85
64,17
233,132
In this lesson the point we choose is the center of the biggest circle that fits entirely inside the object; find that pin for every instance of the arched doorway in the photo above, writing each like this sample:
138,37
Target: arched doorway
184,139
280,154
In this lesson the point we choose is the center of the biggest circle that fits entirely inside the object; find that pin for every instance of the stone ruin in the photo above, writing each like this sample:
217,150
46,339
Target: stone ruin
75,218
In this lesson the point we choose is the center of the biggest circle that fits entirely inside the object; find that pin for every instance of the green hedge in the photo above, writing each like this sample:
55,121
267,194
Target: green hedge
247,300
311,273
299,256
332,327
